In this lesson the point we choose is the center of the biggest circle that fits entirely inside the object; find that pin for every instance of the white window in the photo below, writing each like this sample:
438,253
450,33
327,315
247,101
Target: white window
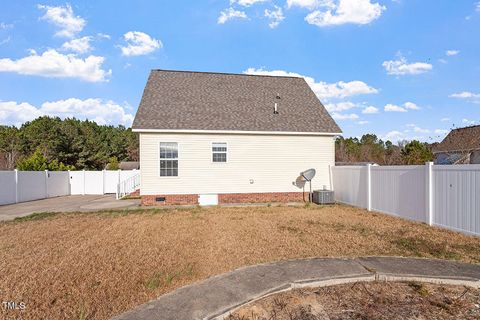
219,152
168,159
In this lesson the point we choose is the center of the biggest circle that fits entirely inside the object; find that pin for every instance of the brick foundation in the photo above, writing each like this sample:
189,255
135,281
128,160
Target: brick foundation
192,199
135,193
171,199
260,197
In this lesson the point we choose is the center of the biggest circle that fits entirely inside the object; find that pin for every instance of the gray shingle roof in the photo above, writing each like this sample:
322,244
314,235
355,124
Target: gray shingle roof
183,100
460,139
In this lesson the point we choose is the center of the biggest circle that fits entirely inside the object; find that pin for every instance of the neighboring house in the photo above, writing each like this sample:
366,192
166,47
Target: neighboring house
460,146
208,138
129,165
341,164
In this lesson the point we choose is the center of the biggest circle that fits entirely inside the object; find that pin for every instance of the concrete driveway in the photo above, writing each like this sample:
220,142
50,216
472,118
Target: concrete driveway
66,204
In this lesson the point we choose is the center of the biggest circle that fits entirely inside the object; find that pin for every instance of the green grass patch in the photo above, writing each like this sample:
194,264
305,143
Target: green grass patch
131,198
162,279
37,216
362,230
83,313
289,229
419,288
421,247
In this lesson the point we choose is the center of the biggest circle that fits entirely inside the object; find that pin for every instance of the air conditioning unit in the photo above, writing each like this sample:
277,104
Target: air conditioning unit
323,197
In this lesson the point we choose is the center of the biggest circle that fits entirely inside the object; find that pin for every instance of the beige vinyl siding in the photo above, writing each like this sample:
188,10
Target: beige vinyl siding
273,162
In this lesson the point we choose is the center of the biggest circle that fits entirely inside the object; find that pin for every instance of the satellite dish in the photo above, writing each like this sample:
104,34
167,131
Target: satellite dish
308,174
300,182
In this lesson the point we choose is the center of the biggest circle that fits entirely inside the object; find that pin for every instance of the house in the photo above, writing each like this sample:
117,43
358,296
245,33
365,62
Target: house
209,138
460,146
129,165
361,163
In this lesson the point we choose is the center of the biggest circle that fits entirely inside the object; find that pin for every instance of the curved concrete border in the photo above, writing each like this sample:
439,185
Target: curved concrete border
219,295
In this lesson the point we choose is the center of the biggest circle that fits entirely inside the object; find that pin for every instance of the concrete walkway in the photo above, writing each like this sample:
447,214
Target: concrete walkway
65,204
216,297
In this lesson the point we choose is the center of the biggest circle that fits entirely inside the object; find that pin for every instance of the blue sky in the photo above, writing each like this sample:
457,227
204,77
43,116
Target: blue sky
401,69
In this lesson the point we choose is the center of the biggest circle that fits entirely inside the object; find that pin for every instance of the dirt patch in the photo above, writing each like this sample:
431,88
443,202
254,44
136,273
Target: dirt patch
94,266
373,300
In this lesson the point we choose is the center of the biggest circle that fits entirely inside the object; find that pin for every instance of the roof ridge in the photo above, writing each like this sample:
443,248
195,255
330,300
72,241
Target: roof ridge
225,73
468,127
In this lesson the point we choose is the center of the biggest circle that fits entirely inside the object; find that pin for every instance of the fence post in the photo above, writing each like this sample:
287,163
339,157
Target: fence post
103,180
429,192
16,186
46,184
69,183
83,182
369,187
331,177
118,183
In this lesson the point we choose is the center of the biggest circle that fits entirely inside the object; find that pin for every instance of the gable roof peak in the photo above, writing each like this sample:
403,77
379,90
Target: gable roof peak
460,140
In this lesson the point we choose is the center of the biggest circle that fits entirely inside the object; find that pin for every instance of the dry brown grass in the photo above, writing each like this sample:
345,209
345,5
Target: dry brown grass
94,266
372,300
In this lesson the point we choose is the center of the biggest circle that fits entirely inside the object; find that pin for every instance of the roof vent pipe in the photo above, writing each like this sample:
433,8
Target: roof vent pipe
275,108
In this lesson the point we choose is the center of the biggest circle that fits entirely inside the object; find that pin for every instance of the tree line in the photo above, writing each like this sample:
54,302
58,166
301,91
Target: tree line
56,144
369,148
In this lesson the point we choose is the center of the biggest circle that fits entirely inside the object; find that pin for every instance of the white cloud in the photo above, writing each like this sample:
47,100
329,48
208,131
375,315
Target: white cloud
341,89
363,122
80,45
310,4
370,110
246,3
139,43
394,108
340,116
420,130
344,106
229,14
6,40
5,26
103,35
465,95
402,67
413,132
468,121
322,89
452,52
63,18
394,136
411,106
346,11
341,106
441,132
13,113
445,119
56,65
276,16
477,6
102,112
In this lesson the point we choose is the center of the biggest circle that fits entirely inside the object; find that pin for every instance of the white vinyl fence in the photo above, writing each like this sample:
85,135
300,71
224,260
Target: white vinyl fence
444,195
20,186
